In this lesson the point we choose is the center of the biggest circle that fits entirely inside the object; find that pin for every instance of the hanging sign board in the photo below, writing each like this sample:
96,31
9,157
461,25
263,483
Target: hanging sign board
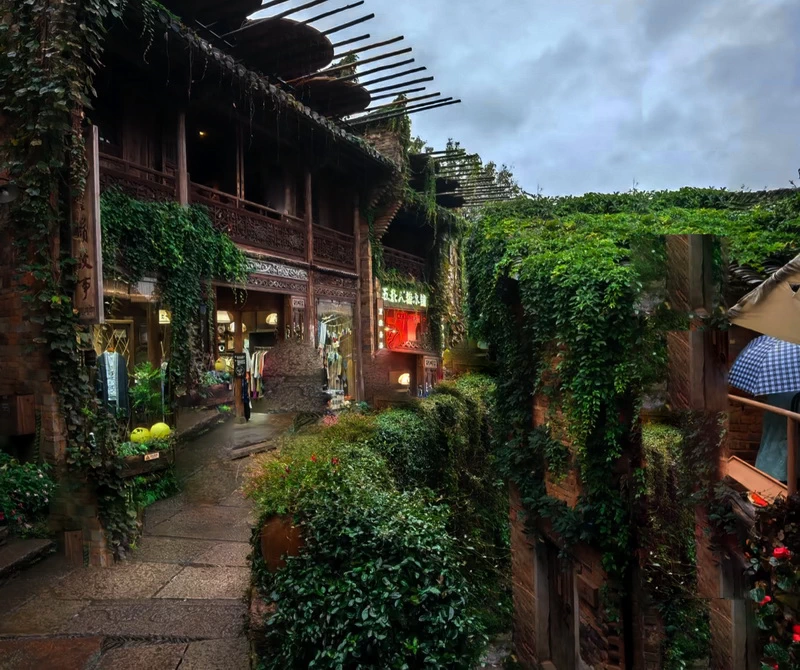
405,298
298,303
86,241
240,365
431,363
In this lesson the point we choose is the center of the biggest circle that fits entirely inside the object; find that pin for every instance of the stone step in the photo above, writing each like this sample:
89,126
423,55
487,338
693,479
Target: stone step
20,554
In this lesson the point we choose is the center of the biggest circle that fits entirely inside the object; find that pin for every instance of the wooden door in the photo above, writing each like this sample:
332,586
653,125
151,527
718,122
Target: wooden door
562,611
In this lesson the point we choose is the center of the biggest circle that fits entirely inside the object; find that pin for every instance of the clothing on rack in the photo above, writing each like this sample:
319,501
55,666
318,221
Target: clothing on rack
112,381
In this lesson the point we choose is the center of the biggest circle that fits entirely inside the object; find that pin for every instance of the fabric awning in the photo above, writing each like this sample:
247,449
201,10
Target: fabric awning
774,307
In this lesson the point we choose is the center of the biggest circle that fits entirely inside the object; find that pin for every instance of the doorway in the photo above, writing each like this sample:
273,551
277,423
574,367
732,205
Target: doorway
562,613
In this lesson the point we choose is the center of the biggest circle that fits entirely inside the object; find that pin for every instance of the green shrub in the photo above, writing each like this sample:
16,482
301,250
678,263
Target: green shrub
146,399
405,562
380,585
404,438
25,491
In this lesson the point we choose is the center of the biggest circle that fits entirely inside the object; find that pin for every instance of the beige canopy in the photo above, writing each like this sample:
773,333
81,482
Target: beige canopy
774,307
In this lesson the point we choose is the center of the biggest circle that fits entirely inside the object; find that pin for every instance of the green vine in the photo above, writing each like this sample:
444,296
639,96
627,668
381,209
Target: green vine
559,290
183,251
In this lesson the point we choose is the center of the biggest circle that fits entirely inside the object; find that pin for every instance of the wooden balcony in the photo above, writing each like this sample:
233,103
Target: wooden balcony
335,249
406,264
135,180
252,224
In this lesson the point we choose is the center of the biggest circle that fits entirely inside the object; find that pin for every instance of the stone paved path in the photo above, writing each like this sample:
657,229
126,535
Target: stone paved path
179,602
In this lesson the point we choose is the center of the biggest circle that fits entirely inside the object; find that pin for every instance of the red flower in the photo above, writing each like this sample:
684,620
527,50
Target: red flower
313,458
335,462
796,628
781,553
796,637
765,600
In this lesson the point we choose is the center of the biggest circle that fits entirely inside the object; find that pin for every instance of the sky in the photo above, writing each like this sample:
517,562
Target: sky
584,96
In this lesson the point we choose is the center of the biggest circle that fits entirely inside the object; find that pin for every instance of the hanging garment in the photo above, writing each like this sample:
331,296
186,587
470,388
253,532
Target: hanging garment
112,382
772,452
246,399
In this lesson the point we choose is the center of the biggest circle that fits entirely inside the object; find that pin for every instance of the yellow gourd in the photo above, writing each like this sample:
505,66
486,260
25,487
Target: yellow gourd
219,365
160,431
140,435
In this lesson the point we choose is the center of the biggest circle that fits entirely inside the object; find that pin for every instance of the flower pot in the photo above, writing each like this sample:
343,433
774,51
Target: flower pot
279,538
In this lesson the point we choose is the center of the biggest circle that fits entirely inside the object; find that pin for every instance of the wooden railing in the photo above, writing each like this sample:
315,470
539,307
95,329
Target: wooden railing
792,419
253,224
405,264
136,180
334,248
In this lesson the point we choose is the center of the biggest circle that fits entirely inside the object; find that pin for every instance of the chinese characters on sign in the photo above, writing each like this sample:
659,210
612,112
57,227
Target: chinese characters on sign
409,298
86,242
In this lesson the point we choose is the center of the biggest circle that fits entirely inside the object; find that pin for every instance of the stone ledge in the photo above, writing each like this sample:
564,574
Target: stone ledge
20,554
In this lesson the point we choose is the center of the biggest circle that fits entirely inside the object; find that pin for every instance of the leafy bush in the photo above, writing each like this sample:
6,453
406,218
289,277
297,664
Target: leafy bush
25,491
405,562
146,392
380,585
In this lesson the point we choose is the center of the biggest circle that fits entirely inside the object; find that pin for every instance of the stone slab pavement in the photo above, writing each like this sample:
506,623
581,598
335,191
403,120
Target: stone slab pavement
178,601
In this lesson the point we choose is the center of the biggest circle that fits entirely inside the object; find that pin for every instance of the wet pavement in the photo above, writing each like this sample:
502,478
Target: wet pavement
179,601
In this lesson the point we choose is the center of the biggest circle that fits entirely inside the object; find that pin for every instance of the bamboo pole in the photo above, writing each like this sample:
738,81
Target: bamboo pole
395,76
369,47
405,83
398,105
382,68
345,26
332,12
395,95
348,66
282,15
404,102
353,40
410,110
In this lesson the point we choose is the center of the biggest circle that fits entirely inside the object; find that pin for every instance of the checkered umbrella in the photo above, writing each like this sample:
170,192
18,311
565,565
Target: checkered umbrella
767,366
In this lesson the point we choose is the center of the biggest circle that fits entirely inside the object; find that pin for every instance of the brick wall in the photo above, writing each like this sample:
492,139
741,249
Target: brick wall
25,371
386,141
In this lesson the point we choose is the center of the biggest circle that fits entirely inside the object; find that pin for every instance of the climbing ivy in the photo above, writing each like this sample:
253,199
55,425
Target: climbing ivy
558,289
183,251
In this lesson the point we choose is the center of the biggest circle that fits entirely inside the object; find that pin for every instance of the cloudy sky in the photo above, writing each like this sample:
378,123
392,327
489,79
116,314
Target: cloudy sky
596,95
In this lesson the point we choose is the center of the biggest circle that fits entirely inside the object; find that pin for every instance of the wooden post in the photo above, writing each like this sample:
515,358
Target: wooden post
791,456
239,163
359,385
238,348
183,163
311,307
153,335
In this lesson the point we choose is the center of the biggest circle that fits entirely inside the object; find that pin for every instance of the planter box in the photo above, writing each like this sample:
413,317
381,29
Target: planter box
279,538
147,463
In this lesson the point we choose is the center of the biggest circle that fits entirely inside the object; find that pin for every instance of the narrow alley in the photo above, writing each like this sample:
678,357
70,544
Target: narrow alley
178,602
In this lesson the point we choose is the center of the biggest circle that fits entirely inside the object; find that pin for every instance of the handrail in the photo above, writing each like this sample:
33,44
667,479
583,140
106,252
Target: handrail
389,251
240,203
334,233
792,443
128,166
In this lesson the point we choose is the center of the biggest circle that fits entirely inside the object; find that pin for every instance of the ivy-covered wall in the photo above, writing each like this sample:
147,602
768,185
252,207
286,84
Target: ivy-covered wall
566,294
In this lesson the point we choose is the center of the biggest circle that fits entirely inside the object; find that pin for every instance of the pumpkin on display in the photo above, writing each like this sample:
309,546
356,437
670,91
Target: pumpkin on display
160,431
140,435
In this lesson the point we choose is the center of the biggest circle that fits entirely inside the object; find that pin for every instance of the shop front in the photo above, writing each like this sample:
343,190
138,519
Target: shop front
287,341
406,364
